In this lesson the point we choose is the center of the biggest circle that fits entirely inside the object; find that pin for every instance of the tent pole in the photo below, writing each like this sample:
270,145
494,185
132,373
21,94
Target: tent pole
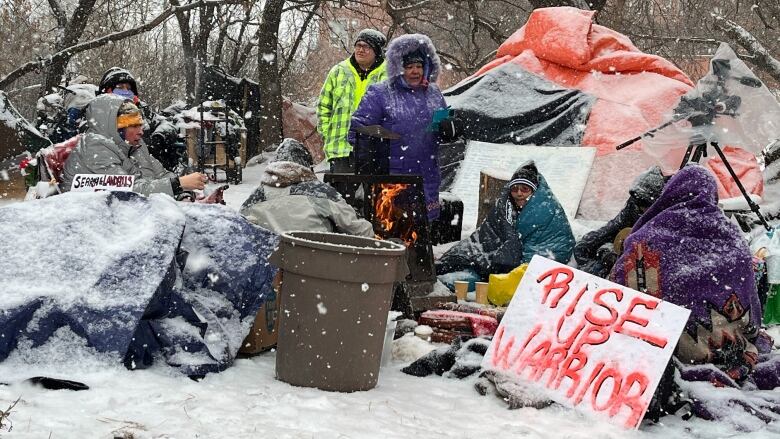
753,206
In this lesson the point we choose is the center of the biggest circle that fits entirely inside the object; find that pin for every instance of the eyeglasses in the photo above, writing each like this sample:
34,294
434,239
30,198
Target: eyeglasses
522,188
362,46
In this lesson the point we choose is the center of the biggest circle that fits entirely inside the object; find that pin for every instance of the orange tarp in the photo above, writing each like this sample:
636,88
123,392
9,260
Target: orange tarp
635,92
633,88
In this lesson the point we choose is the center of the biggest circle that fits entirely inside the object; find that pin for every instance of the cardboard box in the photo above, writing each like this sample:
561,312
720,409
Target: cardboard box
265,330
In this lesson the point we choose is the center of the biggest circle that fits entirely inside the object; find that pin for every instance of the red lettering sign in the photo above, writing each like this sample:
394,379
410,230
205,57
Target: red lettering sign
558,335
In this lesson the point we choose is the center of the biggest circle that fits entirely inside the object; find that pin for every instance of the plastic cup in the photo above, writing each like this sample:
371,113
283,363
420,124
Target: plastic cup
482,291
387,347
461,288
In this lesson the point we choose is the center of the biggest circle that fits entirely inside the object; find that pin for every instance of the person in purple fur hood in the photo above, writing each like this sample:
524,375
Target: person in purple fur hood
685,251
404,104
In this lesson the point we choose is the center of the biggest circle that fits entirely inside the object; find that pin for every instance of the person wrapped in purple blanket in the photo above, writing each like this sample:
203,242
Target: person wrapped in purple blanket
685,251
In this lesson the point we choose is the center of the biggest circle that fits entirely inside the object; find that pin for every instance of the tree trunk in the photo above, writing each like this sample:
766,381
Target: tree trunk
71,34
268,75
183,19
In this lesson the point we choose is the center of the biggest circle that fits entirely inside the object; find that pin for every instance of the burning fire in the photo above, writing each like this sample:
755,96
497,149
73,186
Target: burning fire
394,222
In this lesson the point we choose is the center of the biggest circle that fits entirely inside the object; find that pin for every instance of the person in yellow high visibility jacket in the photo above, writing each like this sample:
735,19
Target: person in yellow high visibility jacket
344,87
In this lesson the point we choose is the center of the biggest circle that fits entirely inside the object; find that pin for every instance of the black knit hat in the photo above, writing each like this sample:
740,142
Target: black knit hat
291,150
114,76
648,186
375,39
526,174
414,57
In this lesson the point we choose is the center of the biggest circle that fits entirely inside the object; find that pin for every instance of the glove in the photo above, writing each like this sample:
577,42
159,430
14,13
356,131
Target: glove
448,131
607,258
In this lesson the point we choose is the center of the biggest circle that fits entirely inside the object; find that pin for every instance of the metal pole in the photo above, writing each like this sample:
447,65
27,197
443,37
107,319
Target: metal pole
753,206
202,146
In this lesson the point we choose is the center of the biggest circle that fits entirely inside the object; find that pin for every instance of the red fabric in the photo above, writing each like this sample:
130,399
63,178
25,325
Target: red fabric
480,325
634,89
56,155
746,167
300,123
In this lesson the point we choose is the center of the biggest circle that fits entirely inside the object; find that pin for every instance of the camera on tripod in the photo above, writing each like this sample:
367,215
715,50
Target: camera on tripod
719,94
714,99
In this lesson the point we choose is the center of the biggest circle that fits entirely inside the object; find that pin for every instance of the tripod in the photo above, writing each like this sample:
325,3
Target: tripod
697,150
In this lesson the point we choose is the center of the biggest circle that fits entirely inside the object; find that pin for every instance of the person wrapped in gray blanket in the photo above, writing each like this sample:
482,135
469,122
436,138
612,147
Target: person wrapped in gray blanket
291,198
113,145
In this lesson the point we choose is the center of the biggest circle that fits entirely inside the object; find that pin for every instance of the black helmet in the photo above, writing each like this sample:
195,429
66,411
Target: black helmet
114,76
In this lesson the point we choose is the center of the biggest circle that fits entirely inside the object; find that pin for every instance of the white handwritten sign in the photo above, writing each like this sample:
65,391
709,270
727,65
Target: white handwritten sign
566,170
585,342
101,182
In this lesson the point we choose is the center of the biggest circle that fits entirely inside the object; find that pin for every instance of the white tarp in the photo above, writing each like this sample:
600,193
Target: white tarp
566,170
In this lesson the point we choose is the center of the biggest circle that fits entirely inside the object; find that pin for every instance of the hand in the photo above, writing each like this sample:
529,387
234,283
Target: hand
194,181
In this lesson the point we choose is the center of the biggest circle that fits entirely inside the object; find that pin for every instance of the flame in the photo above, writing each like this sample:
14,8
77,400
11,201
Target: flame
390,217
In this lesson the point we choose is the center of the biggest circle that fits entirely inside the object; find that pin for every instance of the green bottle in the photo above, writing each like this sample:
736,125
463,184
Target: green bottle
772,309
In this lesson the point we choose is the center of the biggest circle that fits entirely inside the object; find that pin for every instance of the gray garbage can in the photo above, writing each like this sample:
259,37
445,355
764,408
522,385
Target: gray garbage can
335,295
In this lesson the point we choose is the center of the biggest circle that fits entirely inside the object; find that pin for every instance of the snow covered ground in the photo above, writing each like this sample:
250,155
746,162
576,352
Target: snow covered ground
246,402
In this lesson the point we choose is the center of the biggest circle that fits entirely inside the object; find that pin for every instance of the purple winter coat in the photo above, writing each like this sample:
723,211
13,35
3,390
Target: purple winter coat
407,111
684,250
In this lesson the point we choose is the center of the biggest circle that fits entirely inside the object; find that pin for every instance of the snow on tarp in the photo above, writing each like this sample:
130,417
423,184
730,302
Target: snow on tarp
540,112
227,255
106,267
629,90
299,122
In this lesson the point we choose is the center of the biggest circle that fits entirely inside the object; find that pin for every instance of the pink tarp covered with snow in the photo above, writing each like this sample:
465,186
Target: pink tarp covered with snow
634,92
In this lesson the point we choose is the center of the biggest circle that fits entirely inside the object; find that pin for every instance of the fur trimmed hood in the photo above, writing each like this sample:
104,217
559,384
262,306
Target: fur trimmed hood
283,174
406,44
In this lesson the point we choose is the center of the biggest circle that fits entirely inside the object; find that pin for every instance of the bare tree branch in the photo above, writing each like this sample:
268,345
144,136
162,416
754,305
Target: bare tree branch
581,4
758,9
672,38
299,38
71,32
59,14
761,56
105,39
404,9
234,66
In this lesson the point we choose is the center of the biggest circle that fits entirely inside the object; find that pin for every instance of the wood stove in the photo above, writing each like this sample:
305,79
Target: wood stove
395,206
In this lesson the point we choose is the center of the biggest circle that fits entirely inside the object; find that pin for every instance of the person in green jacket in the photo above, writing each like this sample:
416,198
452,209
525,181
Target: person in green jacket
345,85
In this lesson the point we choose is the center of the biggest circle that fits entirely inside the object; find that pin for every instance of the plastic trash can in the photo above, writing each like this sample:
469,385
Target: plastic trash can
336,293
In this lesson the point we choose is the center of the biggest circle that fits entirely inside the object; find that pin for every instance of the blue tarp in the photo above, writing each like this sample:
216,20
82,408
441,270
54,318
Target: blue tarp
136,278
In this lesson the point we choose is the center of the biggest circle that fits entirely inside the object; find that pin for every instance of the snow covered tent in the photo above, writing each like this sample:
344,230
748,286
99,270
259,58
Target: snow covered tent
563,80
130,279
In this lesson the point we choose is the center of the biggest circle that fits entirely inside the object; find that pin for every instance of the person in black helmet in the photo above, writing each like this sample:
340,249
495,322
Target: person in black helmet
160,135
120,82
